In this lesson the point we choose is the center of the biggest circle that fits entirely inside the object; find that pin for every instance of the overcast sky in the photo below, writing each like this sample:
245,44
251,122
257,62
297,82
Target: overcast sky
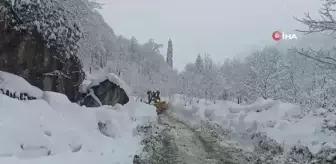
223,28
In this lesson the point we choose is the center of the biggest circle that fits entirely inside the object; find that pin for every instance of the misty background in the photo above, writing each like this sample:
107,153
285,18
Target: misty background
225,29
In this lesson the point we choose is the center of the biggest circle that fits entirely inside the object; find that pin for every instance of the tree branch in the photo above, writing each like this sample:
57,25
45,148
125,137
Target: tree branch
317,56
325,23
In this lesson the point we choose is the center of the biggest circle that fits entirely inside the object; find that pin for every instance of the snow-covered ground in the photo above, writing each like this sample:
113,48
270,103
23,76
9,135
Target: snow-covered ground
16,85
288,124
51,129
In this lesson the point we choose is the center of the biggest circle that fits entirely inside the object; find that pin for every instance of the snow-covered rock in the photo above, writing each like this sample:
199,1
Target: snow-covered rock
50,29
97,78
104,89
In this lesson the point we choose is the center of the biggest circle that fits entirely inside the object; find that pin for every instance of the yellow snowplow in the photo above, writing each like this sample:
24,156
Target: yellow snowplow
161,106
154,99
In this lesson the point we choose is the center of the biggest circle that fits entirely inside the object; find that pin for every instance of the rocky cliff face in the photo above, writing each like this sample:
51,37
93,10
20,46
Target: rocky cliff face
25,53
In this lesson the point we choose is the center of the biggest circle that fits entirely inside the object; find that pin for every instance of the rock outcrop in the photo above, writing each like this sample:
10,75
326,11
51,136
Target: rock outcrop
27,54
106,89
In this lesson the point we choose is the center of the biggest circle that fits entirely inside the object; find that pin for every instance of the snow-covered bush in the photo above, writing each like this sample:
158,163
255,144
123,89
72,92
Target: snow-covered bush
264,143
326,156
299,153
330,122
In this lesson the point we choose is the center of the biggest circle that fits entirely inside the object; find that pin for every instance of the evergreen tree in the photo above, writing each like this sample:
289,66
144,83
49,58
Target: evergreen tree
170,53
199,63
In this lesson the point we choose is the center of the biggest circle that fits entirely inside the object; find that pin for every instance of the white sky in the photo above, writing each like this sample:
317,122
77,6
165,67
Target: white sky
223,28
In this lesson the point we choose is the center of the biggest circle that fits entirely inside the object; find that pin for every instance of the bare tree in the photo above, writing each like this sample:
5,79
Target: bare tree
326,23
325,58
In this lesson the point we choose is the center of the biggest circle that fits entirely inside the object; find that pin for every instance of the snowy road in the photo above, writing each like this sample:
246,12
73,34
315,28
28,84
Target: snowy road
180,142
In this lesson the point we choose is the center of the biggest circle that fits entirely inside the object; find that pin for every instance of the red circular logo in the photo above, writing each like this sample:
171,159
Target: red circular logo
277,35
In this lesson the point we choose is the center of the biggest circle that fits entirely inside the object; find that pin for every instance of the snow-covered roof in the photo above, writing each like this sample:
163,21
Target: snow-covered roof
18,84
96,79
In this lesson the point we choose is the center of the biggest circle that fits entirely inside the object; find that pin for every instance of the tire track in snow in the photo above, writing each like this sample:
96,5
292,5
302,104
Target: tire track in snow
215,153
181,143
189,149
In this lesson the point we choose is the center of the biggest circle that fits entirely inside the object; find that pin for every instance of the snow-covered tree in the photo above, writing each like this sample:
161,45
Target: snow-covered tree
199,63
56,21
264,72
323,77
326,24
306,79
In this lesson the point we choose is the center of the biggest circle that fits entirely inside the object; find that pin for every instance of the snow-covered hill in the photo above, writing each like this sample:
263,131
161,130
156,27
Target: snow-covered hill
51,129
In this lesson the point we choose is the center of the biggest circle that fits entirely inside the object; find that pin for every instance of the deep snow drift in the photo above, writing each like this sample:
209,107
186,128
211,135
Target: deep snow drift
288,124
16,84
51,129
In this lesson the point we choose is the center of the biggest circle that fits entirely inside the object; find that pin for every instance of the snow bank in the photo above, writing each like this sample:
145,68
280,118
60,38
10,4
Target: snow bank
142,112
84,86
287,123
54,130
54,98
16,84
97,78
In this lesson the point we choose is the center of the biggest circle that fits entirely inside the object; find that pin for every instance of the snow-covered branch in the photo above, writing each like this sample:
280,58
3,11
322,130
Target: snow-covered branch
325,23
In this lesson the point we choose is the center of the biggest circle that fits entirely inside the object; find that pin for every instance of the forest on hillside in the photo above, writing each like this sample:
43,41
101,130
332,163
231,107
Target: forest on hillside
304,76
